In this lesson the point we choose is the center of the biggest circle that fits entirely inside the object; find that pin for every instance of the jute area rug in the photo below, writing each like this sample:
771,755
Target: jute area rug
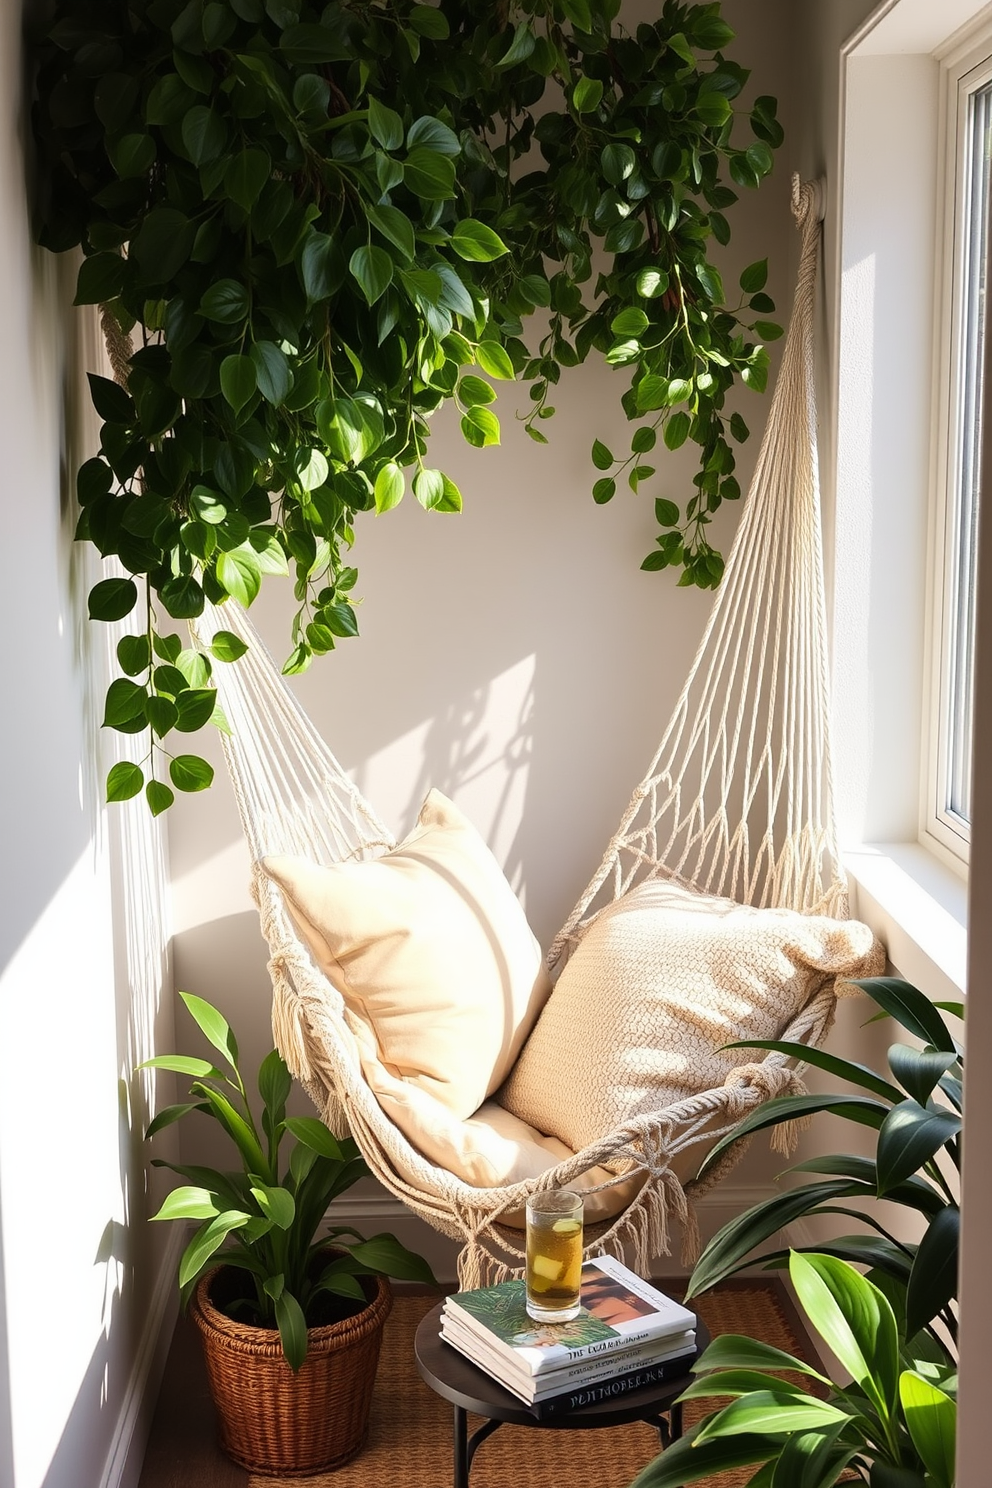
410,1432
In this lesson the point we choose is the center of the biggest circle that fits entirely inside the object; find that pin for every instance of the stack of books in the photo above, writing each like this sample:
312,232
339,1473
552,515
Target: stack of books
627,1336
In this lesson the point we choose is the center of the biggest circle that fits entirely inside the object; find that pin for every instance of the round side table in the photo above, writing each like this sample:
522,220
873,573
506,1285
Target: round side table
470,1389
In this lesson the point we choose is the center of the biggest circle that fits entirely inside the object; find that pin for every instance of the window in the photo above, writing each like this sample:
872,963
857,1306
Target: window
961,333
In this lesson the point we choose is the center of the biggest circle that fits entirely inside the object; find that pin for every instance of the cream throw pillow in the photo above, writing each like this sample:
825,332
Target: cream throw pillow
659,982
428,945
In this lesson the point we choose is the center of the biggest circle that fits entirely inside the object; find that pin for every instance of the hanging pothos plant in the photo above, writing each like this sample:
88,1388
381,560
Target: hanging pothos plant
319,223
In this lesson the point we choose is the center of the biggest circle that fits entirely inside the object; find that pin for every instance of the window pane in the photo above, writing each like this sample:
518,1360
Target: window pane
962,617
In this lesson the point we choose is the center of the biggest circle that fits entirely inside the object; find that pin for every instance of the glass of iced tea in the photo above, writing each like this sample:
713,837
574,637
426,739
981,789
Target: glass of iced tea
554,1255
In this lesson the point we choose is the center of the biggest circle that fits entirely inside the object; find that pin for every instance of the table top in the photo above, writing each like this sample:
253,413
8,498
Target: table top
453,1377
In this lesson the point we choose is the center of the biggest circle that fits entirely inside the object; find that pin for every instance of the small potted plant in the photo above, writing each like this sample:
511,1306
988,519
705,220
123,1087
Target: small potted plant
291,1319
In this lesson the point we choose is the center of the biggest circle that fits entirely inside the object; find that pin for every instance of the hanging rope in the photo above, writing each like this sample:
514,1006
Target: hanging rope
738,800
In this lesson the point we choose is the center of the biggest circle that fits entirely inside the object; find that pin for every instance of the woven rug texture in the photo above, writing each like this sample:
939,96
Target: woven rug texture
410,1431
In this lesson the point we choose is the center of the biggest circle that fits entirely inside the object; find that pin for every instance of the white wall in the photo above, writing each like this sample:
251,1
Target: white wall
84,1286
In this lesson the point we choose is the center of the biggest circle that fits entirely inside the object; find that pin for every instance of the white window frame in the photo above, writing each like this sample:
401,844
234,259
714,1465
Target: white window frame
885,246
965,69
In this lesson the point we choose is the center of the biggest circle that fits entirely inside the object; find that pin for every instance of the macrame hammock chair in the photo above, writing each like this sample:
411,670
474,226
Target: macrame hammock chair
736,802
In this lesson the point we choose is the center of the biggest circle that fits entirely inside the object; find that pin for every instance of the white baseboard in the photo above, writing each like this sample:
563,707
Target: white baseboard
124,1460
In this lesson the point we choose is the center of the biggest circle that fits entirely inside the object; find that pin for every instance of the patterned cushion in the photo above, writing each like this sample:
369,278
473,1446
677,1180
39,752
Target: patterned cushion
660,981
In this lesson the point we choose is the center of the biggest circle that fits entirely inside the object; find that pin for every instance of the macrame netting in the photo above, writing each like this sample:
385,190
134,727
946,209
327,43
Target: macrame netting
737,801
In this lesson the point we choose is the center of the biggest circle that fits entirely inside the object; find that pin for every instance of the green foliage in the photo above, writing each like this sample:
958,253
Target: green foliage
917,1155
263,1218
893,1425
317,219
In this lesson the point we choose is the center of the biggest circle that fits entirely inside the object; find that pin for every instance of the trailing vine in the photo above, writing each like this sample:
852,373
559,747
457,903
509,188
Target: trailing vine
319,223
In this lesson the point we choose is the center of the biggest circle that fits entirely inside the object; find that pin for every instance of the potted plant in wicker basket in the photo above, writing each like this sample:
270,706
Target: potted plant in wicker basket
291,1320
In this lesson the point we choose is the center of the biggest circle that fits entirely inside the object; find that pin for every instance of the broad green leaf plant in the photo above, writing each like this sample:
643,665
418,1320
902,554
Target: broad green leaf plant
916,1113
321,222
892,1427
264,1218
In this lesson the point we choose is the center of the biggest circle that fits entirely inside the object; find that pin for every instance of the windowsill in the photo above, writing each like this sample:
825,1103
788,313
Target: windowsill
918,907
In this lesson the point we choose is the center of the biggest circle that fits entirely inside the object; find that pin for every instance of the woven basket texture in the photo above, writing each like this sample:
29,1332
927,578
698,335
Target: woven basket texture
273,1421
410,1437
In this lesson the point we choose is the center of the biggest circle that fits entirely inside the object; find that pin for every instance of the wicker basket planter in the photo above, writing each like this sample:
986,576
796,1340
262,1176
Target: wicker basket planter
274,1421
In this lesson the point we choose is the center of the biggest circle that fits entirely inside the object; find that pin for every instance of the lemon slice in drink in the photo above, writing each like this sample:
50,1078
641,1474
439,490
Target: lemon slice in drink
566,1226
547,1267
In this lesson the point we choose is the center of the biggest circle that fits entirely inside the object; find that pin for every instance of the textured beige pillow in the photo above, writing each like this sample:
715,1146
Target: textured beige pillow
661,979
428,945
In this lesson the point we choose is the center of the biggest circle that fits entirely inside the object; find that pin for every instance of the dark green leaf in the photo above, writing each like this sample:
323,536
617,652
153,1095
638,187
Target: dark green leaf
385,1254
204,134
272,372
910,1007
373,268
432,134
237,380
754,277
520,48
933,1280
713,109
385,125
854,1108
134,654
430,22
110,400
125,700
395,226
225,302
604,490
100,278
182,597
676,430
195,708
158,796
740,1236
685,1462
429,175
602,457
919,1070
112,599
245,176
587,95
311,94
133,155
666,512
908,1138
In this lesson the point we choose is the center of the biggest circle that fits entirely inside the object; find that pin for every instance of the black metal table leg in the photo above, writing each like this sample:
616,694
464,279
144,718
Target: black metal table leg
675,1416
461,1448
466,1446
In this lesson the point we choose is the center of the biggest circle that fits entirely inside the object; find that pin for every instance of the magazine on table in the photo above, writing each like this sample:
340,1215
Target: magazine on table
619,1311
644,1363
